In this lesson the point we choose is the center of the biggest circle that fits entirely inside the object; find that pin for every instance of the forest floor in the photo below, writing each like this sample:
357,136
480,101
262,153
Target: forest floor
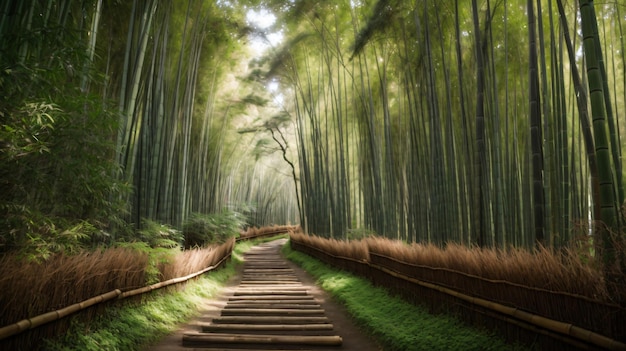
353,337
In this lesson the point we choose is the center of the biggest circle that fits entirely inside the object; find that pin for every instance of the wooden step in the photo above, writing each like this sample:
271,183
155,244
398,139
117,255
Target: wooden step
199,339
282,292
273,305
266,327
268,270
271,298
271,319
302,302
221,348
274,287
264,277
272,282
271,312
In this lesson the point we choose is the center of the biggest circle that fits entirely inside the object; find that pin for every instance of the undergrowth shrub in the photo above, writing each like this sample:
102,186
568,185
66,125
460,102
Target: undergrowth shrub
159,235
57,176
38,236
46,236
202,229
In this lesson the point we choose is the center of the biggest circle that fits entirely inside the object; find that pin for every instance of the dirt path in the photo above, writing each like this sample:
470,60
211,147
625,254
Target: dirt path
352,337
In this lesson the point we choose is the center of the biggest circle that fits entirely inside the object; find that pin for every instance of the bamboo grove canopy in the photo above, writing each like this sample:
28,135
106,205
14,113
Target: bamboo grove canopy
486,122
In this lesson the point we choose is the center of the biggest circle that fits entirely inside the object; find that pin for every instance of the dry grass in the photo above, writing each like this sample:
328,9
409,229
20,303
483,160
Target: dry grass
562,271
194,260
254,232
356,249
31,288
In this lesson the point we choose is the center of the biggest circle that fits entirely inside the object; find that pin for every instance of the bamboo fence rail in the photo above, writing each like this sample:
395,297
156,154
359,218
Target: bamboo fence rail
31,323
173,281
34,322
254,233
39,320
559,330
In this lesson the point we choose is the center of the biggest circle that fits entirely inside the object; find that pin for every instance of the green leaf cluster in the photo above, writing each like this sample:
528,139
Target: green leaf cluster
155,235
202,229
58,176
59,185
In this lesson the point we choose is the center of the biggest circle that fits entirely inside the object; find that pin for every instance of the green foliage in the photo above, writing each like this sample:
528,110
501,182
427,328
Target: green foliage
395,323
25,132
58,182
158,241
58,176
157,257
158,235
383,16
47,239
37,236
203,229
248,210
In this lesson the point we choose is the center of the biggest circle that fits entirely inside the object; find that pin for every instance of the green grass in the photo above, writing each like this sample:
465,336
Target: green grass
133,326
393,322
396,324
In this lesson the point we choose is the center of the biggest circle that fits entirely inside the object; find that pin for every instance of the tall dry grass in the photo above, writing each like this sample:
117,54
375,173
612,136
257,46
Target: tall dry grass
354,249
194,260
560,271
28,289
254,232
557,271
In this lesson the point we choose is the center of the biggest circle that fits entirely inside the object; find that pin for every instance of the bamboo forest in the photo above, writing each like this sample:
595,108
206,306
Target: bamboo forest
476,124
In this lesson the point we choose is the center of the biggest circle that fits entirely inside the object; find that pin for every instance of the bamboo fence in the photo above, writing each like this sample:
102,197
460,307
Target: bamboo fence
225,251
586,323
